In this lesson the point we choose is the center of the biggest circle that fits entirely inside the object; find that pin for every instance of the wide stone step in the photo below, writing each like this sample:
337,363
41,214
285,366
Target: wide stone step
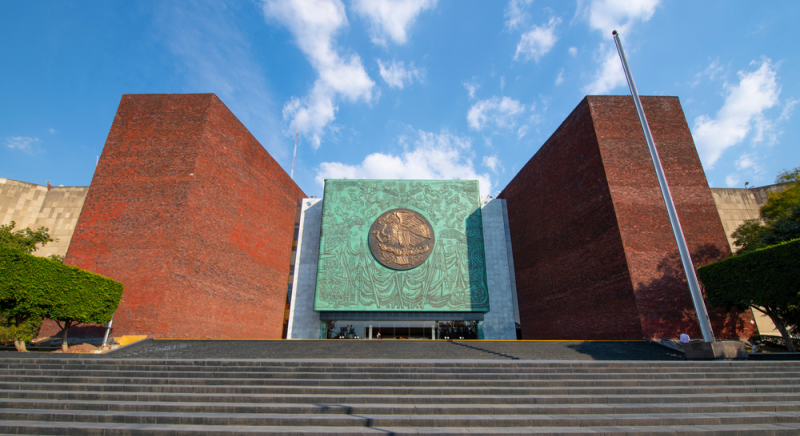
452,375
340,420
465,398
406,390
401,409
72,428
426,383
337,365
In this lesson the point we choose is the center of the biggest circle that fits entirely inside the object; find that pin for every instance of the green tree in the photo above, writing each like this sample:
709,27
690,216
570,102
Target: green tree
18,331
749,236
779,217
36,286
765,280
27,239
17,325
780,203
792,175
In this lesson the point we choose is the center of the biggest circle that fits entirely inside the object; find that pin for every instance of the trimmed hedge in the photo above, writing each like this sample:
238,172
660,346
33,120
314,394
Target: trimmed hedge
767,277
37,286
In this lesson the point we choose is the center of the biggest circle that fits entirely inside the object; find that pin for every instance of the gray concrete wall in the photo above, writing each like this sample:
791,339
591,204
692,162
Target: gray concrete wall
735,205
31,205
303,321
498,323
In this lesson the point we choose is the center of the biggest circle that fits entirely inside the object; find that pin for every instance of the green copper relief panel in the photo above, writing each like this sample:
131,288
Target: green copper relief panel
452,276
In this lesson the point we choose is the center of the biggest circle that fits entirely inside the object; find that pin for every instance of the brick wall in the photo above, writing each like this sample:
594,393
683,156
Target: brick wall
593,250
190,212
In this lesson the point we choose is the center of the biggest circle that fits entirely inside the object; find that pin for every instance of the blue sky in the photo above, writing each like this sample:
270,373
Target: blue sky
398,89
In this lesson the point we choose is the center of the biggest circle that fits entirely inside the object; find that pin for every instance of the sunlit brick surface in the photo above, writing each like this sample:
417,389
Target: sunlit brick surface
593,250
190,212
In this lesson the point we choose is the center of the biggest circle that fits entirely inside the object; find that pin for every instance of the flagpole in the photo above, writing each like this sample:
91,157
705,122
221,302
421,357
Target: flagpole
686,258
291,175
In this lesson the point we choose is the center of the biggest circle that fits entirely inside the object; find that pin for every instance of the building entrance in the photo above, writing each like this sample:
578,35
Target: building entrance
430,330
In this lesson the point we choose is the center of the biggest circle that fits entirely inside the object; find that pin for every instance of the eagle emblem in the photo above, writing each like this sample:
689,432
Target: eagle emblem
401,239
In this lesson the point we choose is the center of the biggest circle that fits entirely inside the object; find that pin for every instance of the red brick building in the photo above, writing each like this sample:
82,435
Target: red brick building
193,215
594,253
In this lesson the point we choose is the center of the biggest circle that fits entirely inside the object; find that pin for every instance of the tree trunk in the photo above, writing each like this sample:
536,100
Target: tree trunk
20,346
779,324
64,330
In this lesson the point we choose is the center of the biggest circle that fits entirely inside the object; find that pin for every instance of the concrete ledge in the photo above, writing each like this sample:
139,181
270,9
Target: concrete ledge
715,350
774,356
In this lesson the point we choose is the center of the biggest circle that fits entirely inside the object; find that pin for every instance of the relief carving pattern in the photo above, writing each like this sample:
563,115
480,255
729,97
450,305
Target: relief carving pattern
410,272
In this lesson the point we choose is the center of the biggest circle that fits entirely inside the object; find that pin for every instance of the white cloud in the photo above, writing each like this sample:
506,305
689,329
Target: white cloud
712,71
502,83
213,55
573,51
501,112
742,111
620,15
433,156
748,161
732,180
610,74
788,107
605,16
560,77
391,18
23,143
522,131
515,15
396,74
471,88
53,131
314,24
493,163
536,42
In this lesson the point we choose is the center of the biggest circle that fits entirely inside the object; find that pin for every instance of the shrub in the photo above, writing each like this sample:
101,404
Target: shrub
766,280
33,286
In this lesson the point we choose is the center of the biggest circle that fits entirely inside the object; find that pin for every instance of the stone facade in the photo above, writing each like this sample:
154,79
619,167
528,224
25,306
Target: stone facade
499,322
303,321
34,206
190,212
593,249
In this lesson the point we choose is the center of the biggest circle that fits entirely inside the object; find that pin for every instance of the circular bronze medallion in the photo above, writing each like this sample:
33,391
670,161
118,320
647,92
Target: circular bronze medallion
401,239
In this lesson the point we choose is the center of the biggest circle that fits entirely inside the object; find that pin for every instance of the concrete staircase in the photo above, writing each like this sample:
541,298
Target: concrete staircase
104,396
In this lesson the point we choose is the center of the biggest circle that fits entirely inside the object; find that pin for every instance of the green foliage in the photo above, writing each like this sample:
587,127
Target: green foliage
780,203
766,279
792,175
26,331
24,287
749,236
27,240
776,343
33,286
